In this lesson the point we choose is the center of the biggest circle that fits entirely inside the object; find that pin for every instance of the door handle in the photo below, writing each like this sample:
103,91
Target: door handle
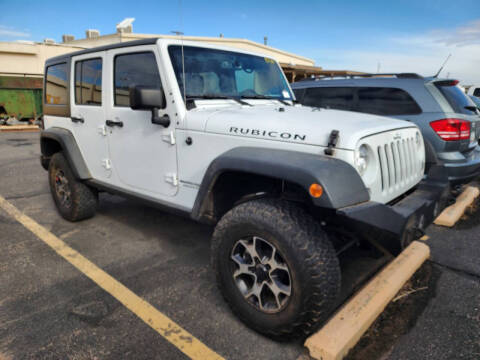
77,119
114,123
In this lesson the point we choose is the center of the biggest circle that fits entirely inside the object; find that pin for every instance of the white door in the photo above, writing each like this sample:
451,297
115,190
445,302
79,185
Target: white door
142,154
87,100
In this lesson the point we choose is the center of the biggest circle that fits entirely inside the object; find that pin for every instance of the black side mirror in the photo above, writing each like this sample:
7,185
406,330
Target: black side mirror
144,98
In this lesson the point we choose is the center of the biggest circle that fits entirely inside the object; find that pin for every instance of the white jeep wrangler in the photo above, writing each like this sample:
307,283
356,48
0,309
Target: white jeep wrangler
214,133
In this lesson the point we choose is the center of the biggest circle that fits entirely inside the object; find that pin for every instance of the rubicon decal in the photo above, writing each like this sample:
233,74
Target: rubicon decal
267,133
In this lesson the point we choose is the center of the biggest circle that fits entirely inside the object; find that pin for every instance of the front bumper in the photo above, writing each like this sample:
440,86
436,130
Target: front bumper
395,226
463,172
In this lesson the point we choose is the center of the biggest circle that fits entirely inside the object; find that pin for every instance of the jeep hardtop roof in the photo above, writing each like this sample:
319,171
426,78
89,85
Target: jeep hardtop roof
149,41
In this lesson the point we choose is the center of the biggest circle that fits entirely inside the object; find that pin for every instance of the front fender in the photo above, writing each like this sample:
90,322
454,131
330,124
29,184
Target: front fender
341,183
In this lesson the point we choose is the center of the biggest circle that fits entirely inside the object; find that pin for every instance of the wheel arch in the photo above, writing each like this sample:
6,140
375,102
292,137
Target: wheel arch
246,171
54,140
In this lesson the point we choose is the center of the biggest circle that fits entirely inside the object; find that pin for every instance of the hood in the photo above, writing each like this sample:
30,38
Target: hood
297,124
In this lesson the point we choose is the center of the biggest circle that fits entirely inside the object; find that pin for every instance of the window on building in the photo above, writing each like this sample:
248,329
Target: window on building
88,82
386,101
56,85
340,98
134,69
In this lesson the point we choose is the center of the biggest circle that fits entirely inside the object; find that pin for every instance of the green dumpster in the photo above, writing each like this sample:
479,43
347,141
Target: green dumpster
21,97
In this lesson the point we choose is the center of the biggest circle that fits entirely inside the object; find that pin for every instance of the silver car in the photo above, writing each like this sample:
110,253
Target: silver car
448,118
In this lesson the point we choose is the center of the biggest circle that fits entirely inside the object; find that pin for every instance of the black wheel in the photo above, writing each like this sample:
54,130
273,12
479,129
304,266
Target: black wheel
275,267
75,201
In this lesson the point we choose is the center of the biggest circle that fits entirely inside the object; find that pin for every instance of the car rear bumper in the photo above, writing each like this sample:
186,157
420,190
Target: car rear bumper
463,172
395,226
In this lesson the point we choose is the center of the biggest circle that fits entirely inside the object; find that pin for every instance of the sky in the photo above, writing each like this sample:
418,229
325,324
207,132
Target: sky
364,35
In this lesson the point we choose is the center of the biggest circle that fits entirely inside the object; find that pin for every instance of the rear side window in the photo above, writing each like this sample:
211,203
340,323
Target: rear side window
56,85
476,92
386,101
134,69
457,99
88,82
340,98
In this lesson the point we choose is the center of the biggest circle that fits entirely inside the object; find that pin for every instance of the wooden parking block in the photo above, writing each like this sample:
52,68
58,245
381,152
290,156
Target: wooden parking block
345,328
453,213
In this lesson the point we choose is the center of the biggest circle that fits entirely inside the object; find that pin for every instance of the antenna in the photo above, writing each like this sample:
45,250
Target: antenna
181,33
439,71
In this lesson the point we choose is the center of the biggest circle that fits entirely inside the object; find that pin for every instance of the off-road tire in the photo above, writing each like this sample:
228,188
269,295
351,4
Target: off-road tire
306,249
84,199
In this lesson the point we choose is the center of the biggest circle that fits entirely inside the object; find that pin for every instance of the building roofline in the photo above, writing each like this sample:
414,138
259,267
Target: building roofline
201,38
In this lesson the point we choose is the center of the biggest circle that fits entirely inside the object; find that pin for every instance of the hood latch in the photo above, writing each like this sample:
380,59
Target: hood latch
332,142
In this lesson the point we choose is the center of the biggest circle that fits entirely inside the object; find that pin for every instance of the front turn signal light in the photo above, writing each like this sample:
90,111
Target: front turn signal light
315,190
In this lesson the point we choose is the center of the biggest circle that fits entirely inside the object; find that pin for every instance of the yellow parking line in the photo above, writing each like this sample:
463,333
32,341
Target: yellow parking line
184,341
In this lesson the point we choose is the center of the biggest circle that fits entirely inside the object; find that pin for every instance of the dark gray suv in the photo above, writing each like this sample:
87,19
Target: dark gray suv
448,118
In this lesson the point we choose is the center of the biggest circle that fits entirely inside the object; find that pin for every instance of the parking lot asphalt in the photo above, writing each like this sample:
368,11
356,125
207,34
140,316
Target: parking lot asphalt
50,310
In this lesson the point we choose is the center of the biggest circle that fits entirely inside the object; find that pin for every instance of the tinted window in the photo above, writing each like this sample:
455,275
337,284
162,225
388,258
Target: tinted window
134,69
299,94
210,72
457,99
476,92
386,101
476,100
340,98
56,85
88,82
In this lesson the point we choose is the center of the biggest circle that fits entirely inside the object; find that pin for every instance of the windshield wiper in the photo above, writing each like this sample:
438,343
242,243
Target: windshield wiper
214,96
258,96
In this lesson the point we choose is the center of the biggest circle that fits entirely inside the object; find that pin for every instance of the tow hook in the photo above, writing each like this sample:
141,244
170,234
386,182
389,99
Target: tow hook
332,142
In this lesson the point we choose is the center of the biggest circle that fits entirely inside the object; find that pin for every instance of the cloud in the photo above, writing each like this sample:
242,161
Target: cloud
422,53
462,36
7,31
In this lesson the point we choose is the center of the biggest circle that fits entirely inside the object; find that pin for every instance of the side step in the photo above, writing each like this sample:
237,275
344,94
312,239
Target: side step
347,326
453,213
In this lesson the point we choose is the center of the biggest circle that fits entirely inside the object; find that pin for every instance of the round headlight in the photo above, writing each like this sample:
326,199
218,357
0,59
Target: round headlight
361,159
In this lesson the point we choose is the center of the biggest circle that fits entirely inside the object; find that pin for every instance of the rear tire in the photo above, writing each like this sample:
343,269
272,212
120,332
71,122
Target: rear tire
75,201
297,289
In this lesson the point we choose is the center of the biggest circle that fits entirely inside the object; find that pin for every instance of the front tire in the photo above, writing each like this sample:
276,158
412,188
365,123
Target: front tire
275,267
75,201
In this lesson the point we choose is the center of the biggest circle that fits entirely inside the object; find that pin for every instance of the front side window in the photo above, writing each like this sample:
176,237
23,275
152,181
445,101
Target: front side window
134,69
339,98
386,101
56,85
212,73
88,82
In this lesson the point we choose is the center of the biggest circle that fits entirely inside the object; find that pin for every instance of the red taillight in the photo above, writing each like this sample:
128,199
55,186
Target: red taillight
452,129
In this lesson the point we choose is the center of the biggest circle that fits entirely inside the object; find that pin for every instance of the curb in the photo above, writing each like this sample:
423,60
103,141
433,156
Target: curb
346,327
20,128
453,213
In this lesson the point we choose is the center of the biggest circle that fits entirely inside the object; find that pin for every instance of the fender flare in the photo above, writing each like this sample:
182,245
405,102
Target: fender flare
342,185
69,146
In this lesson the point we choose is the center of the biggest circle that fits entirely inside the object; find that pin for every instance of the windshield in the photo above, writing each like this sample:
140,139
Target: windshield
457,99
210,73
